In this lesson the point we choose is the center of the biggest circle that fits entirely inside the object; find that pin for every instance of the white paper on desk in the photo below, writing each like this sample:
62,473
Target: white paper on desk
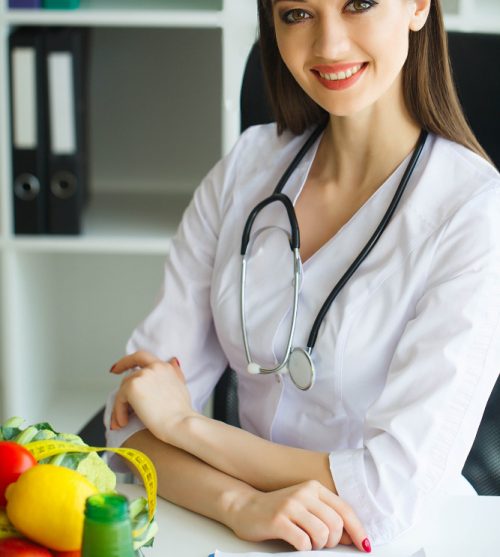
339,550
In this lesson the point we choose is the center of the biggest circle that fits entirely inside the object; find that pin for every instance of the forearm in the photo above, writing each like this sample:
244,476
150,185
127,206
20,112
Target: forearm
189,482
257,462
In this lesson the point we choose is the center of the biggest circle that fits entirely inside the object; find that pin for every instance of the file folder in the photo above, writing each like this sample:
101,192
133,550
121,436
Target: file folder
28,126
61,4
66,67
25,3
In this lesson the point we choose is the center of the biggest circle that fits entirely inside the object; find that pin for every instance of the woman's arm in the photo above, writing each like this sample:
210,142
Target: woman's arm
197,486
260,463
302,515
265,465
307,515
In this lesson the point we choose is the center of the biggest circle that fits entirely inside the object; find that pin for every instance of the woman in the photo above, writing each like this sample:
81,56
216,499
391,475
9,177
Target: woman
408,352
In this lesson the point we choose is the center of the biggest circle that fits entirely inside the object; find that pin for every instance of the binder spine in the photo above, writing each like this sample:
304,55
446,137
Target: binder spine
66,108
28,125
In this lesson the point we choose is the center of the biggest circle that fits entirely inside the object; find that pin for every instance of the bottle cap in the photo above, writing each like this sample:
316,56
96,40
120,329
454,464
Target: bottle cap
107,507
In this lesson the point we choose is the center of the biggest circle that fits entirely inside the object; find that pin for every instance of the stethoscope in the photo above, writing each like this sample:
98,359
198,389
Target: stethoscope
298,361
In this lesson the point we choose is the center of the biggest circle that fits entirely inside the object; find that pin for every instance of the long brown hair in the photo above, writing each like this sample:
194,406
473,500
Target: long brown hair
428,87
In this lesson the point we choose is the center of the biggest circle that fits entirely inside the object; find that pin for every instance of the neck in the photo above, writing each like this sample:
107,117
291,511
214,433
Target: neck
360,152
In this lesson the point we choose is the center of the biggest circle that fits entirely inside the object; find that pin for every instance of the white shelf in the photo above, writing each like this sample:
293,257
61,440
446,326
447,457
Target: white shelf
69,317
116,18
82,245
117,223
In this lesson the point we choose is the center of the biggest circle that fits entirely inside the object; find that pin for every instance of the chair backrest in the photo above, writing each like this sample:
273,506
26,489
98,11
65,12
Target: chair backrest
474,59
482,467
93,432
476,70
255,107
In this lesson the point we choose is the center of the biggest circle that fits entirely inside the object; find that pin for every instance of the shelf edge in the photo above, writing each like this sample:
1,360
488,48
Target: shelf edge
82,245
117,18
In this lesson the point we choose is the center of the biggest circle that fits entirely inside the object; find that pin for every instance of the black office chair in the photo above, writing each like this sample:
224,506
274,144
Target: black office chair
479,90
480,101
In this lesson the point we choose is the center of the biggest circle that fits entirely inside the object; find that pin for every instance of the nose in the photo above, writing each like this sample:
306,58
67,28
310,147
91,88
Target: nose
332,38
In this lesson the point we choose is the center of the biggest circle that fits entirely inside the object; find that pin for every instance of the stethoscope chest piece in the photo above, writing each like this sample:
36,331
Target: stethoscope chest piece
301,369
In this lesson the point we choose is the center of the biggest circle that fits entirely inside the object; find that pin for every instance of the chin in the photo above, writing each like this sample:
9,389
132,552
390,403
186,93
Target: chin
344,110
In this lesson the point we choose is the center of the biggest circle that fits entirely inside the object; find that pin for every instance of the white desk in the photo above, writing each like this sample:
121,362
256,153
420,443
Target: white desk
461,526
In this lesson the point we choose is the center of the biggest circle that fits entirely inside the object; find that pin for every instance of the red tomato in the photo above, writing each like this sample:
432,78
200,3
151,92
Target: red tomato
15,460
16,547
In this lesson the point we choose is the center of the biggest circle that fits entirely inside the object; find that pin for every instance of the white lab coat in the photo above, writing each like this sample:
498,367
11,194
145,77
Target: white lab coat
408,353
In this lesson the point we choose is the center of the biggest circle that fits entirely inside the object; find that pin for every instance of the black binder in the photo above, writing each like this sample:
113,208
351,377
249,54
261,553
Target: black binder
28,125
66,103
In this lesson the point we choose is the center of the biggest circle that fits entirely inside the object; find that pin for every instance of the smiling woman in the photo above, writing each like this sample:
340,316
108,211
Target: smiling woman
364,368
427,85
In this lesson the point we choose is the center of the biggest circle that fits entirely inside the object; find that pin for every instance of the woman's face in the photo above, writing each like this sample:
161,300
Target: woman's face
323,42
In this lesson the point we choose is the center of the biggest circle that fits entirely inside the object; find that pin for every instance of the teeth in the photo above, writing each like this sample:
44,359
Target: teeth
341,75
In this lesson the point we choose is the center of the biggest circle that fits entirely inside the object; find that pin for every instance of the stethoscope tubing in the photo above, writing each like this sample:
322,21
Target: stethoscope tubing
294,246
292,217
278,196
370,244
291,334
300,155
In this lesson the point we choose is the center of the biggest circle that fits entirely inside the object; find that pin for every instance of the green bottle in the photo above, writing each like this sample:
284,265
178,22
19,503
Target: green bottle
106,530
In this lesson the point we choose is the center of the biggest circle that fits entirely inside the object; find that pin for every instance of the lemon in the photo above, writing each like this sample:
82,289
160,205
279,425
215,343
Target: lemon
47,505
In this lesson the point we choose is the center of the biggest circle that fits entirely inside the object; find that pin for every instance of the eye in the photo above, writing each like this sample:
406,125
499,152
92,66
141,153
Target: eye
360,6
295,16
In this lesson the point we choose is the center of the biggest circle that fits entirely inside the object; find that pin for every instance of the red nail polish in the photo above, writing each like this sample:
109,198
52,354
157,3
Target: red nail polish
177,362
366,545
112,368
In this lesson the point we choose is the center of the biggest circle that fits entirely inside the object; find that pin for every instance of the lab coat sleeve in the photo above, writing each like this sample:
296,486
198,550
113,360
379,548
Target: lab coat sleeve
181,323
419,431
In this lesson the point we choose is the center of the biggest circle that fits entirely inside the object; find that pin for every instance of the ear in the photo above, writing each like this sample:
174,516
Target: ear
419,11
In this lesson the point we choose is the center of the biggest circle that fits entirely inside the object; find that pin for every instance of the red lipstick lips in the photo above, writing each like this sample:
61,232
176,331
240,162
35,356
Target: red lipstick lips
331,78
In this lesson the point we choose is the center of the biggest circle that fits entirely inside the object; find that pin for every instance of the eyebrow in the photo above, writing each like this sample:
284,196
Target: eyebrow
278,1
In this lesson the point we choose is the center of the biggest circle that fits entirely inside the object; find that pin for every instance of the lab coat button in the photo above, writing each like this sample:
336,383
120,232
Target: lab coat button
277,378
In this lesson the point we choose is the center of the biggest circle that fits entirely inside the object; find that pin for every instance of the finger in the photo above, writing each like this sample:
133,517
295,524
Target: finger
331,519
121,410
137,359
315,528
294,535
174,362
345,539
112,421
352,524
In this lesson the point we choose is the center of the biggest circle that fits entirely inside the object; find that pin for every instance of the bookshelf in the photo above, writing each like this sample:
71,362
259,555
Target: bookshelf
165,81
68,304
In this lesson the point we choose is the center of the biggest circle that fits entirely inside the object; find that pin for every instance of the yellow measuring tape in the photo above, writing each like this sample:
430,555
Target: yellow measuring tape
146,469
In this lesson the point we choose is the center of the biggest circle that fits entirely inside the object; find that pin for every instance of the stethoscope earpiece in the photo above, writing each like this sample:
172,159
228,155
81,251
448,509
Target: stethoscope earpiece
253,368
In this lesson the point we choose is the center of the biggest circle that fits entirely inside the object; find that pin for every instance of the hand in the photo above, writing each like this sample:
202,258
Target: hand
307,516
156,392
